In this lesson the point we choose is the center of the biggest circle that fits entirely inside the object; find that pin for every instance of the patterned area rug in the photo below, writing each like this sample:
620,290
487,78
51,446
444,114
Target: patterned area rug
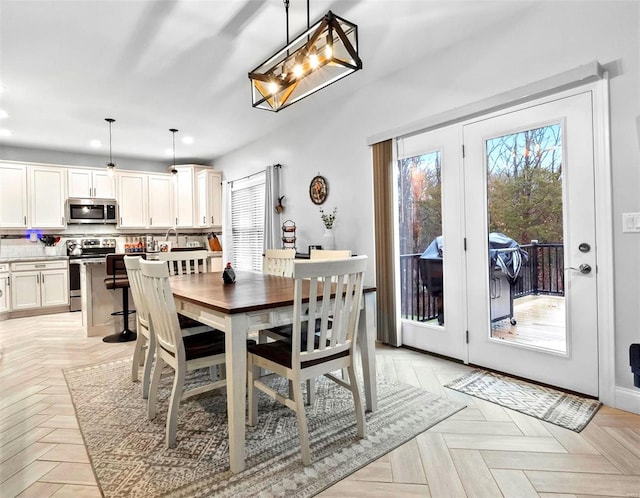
130,460
557,407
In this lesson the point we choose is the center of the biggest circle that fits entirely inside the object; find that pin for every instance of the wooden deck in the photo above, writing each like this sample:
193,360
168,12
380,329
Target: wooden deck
540,323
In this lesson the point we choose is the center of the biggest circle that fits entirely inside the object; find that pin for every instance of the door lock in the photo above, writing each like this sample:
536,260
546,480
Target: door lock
584,268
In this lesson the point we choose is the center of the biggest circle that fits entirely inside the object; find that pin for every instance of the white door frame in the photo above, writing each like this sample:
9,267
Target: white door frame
572,81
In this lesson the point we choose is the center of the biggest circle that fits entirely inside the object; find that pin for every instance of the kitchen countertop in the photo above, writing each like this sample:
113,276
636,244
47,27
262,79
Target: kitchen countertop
22,259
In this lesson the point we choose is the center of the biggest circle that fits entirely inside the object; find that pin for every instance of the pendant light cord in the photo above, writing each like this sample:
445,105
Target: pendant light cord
173,131
110,121
286,11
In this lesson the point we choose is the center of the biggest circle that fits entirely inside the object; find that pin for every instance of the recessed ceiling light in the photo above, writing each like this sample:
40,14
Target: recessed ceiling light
96,144
5,133
3,114
168,152
187,140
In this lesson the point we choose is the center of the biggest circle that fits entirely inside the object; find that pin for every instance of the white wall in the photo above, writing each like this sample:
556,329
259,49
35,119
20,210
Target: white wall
331,127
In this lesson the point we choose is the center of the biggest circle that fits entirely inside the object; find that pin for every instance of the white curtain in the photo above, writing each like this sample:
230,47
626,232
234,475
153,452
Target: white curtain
227,236
272,235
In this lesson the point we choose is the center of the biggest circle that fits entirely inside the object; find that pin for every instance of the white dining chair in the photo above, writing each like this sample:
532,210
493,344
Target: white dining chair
145,347
278,262
186,262
182,353
329,254
314,351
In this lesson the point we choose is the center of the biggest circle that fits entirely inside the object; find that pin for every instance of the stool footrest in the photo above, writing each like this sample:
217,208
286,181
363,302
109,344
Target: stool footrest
121,312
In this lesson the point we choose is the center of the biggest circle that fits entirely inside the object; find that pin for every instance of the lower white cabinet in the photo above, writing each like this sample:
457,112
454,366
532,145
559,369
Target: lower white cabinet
5,301
39,284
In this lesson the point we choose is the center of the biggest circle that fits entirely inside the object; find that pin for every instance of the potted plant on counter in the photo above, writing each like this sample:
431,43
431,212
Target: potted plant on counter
49,242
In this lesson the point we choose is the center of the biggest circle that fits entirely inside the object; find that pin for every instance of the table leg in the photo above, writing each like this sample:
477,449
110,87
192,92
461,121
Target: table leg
236,361
367,343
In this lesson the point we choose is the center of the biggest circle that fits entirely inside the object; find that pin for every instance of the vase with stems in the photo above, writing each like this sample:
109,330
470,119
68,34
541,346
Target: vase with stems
329,240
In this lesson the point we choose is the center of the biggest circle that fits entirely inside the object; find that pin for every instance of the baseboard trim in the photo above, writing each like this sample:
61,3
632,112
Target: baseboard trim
628,399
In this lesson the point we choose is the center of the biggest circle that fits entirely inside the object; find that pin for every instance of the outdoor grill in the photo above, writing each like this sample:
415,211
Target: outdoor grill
506,258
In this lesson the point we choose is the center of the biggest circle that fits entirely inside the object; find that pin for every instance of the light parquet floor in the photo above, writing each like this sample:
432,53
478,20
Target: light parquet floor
482,451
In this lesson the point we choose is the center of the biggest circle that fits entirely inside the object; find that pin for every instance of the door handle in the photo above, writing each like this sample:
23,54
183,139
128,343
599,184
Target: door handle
584,268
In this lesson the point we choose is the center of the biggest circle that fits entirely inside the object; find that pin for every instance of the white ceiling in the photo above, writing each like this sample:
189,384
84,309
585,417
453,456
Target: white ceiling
65,65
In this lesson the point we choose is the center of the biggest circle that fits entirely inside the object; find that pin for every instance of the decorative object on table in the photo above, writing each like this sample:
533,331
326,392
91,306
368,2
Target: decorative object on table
318,190
323,54
328,220
279,207
228,275
129,457
214,242
556,407
289,235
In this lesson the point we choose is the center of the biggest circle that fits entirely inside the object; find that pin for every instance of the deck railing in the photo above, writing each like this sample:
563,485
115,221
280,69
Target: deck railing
543,273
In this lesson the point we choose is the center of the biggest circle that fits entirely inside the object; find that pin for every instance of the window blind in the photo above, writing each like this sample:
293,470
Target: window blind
247,222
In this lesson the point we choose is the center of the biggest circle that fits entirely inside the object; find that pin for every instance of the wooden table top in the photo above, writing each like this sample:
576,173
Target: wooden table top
252,291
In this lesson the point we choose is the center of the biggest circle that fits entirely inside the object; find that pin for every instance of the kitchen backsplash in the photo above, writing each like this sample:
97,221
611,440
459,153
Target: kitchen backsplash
13,246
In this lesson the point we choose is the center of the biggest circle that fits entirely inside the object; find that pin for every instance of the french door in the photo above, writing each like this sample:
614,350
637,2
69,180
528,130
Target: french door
526,306
531,173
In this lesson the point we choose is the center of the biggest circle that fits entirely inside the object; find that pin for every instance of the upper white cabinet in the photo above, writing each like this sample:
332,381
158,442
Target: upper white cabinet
184,196
160,201
13,195
145,201
91,183
209,195
47,187
132,201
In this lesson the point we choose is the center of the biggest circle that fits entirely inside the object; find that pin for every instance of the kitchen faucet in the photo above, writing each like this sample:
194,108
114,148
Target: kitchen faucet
175,232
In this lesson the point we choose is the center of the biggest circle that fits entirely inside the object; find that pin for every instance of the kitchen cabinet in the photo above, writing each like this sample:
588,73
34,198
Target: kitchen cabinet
5,301
39,284
132,200
91,183
13,195
145,201
47,194
209,205
184,197
161,206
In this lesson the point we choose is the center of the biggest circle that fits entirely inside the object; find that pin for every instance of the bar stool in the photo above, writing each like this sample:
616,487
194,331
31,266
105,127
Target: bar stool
118,279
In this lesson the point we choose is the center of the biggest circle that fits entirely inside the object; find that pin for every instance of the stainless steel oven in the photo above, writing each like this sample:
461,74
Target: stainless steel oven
84,250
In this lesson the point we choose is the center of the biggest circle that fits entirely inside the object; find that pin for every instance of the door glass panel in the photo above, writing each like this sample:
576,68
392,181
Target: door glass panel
420,223
526,257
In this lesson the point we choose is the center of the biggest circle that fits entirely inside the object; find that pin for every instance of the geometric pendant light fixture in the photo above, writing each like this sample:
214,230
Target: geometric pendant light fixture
110,165
325,53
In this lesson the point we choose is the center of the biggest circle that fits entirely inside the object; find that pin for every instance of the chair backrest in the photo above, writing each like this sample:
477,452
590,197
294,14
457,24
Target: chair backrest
114,265
278,262
186,262
162,307
330,253
132,263
342,278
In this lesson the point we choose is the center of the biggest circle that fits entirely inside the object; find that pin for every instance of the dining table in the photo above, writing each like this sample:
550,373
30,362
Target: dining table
258,301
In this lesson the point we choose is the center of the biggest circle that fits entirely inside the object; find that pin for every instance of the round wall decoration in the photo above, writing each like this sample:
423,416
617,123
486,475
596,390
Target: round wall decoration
318,189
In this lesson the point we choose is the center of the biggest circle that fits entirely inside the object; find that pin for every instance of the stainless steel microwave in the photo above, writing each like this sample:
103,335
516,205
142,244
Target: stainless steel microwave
100,211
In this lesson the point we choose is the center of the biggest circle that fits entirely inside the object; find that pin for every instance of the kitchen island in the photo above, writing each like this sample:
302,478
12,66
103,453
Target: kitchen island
98,302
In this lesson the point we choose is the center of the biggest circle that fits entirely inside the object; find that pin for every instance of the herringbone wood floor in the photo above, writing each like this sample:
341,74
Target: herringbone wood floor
483,451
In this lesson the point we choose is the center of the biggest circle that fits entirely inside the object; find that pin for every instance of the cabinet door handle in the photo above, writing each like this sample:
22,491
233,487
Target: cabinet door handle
204,220
9,281
38,278
150,222
40,266
121,220
25,220
212,220
176,221
43,278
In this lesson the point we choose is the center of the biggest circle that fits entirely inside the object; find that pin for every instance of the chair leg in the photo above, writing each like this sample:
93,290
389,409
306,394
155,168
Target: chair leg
153,388
311,391
174,403
361,429
302,423
253,373
137,357
146,373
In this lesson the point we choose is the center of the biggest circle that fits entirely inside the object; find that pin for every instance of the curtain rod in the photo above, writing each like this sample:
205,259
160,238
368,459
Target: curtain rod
252,174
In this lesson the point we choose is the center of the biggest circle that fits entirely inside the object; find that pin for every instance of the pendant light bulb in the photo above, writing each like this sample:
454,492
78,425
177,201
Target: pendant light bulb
110,165
173,169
